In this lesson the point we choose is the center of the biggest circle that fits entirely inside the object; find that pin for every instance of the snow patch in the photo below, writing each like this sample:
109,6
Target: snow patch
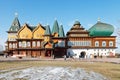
51,73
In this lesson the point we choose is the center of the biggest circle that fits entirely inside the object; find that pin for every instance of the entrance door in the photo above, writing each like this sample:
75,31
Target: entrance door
48,53
83,53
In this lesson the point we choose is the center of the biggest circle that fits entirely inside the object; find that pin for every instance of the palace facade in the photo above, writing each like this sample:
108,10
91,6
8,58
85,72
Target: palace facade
40,41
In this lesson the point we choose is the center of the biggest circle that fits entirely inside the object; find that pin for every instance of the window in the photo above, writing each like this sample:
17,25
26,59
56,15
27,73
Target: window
14,45
63,43
23,44
10,45
20,45
70,43
38,44
28,44
33,43
103,43
96,43
110,43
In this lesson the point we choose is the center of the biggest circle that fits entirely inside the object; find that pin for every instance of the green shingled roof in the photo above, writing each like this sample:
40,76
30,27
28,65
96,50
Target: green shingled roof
101,29
55,27
47,31
15,25
61,31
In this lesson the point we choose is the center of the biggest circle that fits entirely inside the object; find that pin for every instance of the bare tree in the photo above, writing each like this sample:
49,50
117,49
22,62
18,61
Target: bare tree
118,35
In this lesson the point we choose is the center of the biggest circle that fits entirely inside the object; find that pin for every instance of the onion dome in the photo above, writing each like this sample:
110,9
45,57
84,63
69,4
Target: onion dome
77,23
101,29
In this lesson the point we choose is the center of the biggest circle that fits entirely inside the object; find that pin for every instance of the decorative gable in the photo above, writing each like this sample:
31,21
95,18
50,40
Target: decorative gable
38,32
25,32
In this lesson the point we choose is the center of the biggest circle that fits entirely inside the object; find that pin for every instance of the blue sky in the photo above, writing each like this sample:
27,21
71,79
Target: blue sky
65,11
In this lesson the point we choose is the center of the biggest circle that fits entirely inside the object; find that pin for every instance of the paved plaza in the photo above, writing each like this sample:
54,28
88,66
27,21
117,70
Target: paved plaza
111,60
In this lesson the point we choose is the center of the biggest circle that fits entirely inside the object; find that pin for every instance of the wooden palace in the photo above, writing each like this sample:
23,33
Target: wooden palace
40,41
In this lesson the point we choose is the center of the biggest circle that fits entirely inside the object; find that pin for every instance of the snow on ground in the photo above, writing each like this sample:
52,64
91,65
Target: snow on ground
51,73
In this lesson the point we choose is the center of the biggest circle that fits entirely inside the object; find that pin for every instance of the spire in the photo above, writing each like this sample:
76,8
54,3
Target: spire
16,24
47,31
61,31
55,27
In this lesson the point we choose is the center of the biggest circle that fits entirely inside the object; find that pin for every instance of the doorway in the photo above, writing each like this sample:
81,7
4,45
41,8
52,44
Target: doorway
82,54
48,53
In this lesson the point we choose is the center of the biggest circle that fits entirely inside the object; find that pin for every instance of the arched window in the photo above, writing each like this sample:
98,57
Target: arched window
103,43
96,43
110,43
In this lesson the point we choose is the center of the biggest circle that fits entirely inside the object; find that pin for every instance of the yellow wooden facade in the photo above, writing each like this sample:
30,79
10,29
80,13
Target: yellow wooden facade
38,32
25,33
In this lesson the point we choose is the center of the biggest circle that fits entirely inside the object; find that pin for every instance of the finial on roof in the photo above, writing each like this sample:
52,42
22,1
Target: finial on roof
16,14
98,19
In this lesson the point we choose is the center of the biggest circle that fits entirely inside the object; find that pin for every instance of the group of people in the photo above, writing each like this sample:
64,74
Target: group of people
81,56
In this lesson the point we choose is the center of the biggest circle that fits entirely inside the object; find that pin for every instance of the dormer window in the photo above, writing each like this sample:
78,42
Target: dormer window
15,24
